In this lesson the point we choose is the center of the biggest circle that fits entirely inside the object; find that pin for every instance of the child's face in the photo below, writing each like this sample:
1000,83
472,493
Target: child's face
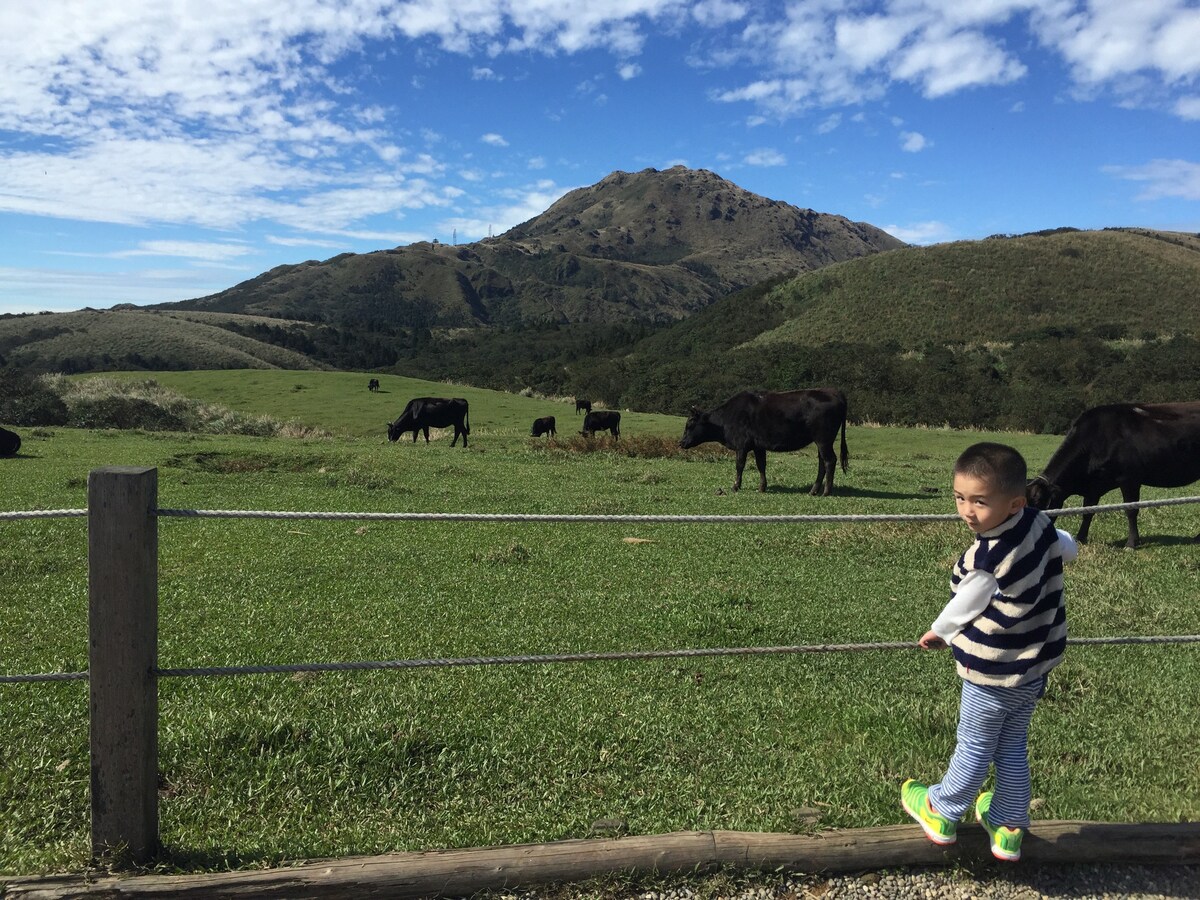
980,505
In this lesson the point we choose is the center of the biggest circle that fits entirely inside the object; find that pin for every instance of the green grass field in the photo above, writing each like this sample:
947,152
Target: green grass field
259,769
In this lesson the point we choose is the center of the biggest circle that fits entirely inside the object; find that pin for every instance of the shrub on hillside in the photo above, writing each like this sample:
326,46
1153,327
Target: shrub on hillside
123,412
29,401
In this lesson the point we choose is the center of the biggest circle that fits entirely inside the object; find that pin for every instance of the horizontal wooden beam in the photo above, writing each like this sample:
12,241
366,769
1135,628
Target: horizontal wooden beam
456,873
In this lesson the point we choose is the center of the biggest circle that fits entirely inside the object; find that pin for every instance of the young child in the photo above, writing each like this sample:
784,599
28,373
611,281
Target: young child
1007,625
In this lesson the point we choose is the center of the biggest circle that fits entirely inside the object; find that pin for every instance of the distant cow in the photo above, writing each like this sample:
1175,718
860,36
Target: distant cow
1124,445
585,405
424,413
602,420
544,425
373,384
750,422
10,442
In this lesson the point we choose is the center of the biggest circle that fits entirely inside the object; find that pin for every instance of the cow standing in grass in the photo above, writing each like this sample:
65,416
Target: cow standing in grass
423,413
10,442
373,385
1123,445
544,425
789,420
602,420
585,405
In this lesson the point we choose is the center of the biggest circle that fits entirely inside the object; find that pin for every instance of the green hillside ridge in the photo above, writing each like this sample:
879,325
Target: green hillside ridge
88,340
1115,282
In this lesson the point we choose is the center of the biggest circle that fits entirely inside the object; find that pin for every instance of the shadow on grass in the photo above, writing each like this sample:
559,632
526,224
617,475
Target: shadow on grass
1157,540
840,492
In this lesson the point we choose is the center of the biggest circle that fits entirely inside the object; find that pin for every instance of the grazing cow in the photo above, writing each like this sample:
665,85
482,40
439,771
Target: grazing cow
790,420
373,384
602,420
544,425
1124,445
423,413
585,405
10,442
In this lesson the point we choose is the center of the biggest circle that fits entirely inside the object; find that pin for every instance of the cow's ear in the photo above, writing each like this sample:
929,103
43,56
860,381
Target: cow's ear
696,411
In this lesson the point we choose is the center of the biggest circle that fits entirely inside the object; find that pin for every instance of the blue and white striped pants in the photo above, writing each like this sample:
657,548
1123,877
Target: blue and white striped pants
993,725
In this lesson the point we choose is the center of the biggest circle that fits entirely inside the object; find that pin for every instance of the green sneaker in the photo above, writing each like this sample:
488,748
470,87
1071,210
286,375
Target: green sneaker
1006,842
914,797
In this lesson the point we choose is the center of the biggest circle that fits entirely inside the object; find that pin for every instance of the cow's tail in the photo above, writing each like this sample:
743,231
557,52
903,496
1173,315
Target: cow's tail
467,422
845,453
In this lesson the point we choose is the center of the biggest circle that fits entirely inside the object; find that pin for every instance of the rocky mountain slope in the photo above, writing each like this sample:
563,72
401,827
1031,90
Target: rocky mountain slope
651,246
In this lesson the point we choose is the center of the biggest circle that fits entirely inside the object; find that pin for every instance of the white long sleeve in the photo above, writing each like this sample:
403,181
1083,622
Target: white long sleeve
974,593
1070,549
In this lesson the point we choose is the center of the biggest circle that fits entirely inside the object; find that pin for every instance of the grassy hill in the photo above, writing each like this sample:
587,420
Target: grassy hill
1013,332
1116,283
137,338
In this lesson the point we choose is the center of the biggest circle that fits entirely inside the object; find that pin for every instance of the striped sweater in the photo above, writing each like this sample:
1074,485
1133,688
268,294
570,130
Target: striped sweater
1022,633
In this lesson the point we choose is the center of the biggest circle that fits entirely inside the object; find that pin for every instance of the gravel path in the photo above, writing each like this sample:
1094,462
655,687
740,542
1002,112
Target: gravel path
1080,882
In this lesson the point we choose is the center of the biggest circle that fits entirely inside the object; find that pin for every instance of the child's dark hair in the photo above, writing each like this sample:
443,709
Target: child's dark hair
998,464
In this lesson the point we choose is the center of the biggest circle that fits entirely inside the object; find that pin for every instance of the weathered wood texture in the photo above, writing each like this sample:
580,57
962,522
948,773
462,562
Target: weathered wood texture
460,873
122,658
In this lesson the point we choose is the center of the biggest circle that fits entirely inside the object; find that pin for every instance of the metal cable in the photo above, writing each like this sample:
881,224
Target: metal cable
617,655
641,519
567,517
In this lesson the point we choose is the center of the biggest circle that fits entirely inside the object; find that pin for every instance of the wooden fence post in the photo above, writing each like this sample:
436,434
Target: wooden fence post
122,659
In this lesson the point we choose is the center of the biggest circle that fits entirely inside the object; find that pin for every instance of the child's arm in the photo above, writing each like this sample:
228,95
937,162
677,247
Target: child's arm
1067,545
974,593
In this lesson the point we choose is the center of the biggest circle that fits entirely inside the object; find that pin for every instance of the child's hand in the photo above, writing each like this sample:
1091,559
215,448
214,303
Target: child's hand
930,641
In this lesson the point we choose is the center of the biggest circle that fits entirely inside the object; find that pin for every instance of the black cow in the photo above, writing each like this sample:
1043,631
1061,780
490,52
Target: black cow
585,405
1123,445
10,442
544,425
373,384
602,420
750,422
424,413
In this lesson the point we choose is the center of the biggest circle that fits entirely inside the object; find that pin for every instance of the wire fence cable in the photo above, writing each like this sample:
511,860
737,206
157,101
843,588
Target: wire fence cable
569,517
543,659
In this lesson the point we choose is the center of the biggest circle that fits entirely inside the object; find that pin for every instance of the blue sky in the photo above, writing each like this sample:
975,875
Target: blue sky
153,152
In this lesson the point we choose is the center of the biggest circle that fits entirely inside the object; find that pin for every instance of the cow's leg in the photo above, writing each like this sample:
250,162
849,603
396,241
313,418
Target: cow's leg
829,455
1086,523
816,486
740,467
454,440
425,429
464,438
416,431
1131,494
760,460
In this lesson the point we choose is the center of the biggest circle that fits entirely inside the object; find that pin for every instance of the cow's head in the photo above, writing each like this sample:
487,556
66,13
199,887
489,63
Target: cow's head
700,428
1043,494
394,430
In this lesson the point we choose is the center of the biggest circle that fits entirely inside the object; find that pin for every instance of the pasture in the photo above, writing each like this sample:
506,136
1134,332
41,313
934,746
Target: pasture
264,768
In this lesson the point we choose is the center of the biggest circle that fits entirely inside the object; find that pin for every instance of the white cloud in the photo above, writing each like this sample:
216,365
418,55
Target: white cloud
826,53
210,252
830,123
628,71
913,141
1163,178
516,205
483,73
494,139
715,13
765,157
1188,107
932,232
537,162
